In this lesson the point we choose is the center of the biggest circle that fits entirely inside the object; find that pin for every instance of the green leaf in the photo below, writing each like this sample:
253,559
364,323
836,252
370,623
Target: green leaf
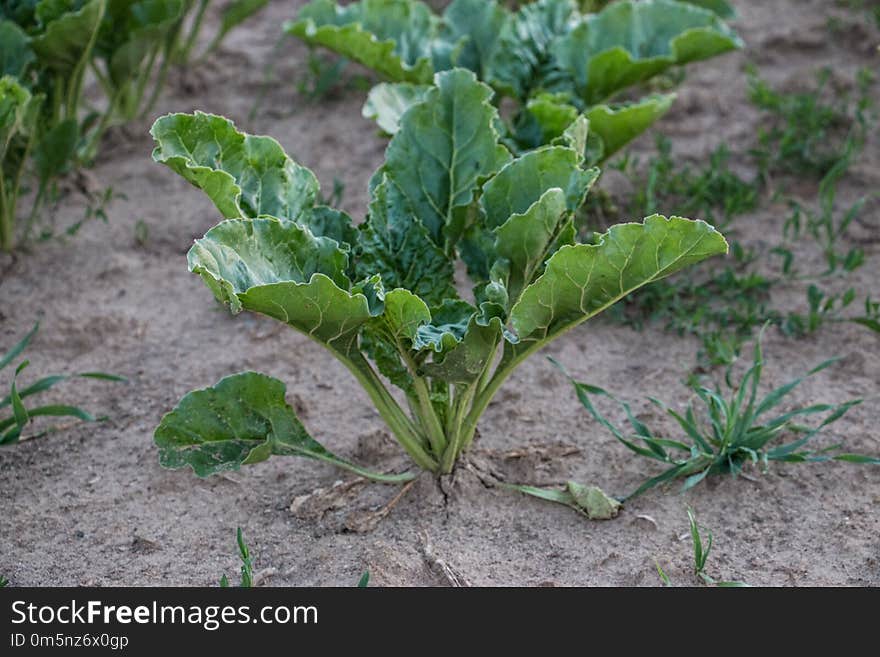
394,244
446,144
548,116
19,346
469,35
243,419
15,51
525,239
466,361
56,150
132,30
581,281
240,254
388,101
68,37
235,14
14,104
629,42
244,175
285,272
525,180
591,501
522,62
391,37
619,125
449,322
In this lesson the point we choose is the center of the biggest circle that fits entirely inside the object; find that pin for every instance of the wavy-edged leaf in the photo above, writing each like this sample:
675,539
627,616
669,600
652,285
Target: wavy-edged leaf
618,125
68,37
446,144
243,419
447,327
524,180
582,280
545,118
628,42
391,37
282,270
244,175
15,50
469,358
388,101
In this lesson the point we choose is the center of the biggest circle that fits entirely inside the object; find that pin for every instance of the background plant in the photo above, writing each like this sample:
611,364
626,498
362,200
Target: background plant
701,556
385,291
554,61
15,413
723,432
47,47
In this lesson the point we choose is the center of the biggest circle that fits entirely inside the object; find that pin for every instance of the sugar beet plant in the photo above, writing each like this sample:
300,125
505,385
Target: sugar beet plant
47,48
555,62
381,297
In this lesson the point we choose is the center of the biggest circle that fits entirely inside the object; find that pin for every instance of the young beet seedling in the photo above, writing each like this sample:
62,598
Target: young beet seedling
381,296
701,556
730,431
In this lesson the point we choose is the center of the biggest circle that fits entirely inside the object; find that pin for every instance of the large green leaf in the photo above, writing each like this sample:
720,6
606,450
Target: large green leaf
395,245
282,270
628,42
391,37
618,125
446,144
68,37
243,419
15,51
387,102
582,280
244,175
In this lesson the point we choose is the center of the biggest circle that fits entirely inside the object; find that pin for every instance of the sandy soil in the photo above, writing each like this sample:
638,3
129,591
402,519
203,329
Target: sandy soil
90,505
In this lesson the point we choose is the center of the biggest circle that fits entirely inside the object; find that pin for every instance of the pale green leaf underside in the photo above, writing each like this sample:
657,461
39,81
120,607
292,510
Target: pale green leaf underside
388,101
582,280
244,175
